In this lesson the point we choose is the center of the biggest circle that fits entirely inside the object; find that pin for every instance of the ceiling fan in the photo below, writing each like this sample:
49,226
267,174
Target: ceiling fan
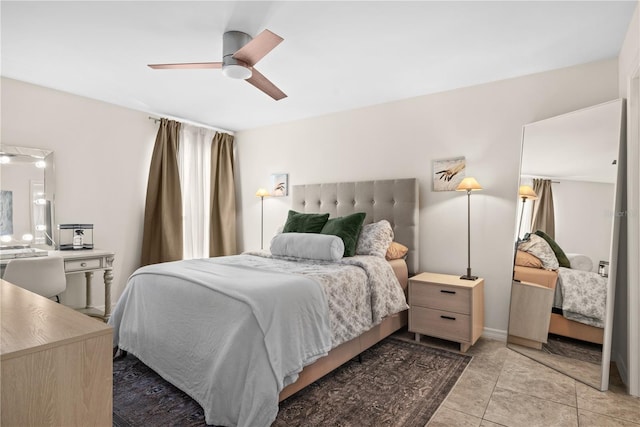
239,55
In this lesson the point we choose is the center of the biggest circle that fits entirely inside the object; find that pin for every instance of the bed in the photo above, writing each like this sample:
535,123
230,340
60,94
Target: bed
558,324
169,315
576,295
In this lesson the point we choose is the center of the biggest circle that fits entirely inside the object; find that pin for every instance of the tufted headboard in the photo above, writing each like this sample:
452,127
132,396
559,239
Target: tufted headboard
395,200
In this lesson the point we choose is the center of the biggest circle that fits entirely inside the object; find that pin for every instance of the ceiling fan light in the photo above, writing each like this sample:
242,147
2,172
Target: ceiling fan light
236,71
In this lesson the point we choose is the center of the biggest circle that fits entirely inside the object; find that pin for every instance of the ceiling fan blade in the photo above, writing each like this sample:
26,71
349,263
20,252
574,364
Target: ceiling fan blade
257,48
186,65
262,83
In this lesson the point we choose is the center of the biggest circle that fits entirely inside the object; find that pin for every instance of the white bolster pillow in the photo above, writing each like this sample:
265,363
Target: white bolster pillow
324,247
580,262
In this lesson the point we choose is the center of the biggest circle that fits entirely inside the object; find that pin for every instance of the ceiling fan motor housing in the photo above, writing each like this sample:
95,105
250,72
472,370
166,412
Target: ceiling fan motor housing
232,41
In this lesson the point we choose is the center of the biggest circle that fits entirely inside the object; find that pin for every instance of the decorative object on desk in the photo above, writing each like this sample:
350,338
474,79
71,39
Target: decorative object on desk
279,184
77,239
448,173
75,236
469,184
603,268
262,193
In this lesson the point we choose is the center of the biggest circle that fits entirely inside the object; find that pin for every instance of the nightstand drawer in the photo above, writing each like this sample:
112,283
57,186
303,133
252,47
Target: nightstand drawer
441,297
442,324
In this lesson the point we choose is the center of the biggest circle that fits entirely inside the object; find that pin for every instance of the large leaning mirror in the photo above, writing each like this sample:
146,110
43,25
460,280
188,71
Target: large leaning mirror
27,194
561,309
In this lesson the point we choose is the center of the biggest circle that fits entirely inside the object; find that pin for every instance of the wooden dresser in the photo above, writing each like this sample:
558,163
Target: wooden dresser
56,363
445,306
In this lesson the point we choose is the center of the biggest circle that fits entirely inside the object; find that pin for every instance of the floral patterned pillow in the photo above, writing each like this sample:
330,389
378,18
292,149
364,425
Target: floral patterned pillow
538,247
375,238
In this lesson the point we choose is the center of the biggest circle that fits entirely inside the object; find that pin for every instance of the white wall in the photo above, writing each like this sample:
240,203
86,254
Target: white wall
401,139
584,217
626,330
102,155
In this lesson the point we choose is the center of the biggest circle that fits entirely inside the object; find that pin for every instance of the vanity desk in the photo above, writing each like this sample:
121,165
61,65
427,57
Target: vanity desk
88,262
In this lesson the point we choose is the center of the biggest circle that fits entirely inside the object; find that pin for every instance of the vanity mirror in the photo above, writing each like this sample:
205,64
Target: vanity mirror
27,194
561,309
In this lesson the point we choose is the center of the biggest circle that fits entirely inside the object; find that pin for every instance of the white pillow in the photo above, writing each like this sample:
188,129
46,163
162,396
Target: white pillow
324,247
580,262
375,239
539,248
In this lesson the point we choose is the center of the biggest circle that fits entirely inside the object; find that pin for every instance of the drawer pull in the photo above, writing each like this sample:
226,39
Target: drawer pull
447,292
83,264
448,317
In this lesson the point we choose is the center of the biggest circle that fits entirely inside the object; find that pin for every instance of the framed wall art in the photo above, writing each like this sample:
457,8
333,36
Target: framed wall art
279,184
6,213
448,173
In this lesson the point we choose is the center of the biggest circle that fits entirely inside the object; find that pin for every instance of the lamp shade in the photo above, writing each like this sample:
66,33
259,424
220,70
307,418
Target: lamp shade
526,192
262,192
468,184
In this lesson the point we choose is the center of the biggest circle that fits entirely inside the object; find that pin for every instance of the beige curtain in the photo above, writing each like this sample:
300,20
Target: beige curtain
162,235
222,229
543,214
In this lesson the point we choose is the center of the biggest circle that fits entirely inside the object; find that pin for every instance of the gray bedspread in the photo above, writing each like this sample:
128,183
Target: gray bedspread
583,294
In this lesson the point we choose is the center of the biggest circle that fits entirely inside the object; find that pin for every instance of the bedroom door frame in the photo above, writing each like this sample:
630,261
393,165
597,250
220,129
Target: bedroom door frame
633,231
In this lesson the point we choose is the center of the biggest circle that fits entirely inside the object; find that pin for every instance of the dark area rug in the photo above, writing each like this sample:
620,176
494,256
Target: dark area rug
575,349
398,383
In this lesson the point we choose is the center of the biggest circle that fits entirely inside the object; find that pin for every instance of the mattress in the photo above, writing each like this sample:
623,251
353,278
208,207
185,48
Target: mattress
401,271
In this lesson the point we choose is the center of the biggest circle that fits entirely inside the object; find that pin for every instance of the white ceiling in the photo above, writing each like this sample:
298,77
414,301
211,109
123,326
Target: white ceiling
336,55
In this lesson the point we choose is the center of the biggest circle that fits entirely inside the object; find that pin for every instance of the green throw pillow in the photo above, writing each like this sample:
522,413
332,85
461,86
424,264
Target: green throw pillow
563,261
348,229
304,223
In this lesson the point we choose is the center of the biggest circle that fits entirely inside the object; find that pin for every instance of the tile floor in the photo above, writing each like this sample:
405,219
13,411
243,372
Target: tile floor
503,388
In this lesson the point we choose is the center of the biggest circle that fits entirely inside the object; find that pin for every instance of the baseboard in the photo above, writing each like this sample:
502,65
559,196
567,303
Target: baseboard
495,334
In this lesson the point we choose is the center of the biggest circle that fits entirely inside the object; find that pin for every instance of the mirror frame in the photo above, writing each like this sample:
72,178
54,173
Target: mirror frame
613,246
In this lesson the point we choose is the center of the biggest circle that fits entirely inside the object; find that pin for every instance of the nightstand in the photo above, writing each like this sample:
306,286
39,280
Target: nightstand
447,307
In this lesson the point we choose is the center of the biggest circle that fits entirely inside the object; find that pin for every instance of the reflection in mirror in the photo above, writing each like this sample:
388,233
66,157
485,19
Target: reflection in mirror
27,192
564,273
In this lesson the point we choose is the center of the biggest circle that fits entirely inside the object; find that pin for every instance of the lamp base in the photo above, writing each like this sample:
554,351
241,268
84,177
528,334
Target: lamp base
468,276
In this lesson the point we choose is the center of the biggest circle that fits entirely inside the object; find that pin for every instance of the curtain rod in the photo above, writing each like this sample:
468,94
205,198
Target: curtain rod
540,177
157,119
